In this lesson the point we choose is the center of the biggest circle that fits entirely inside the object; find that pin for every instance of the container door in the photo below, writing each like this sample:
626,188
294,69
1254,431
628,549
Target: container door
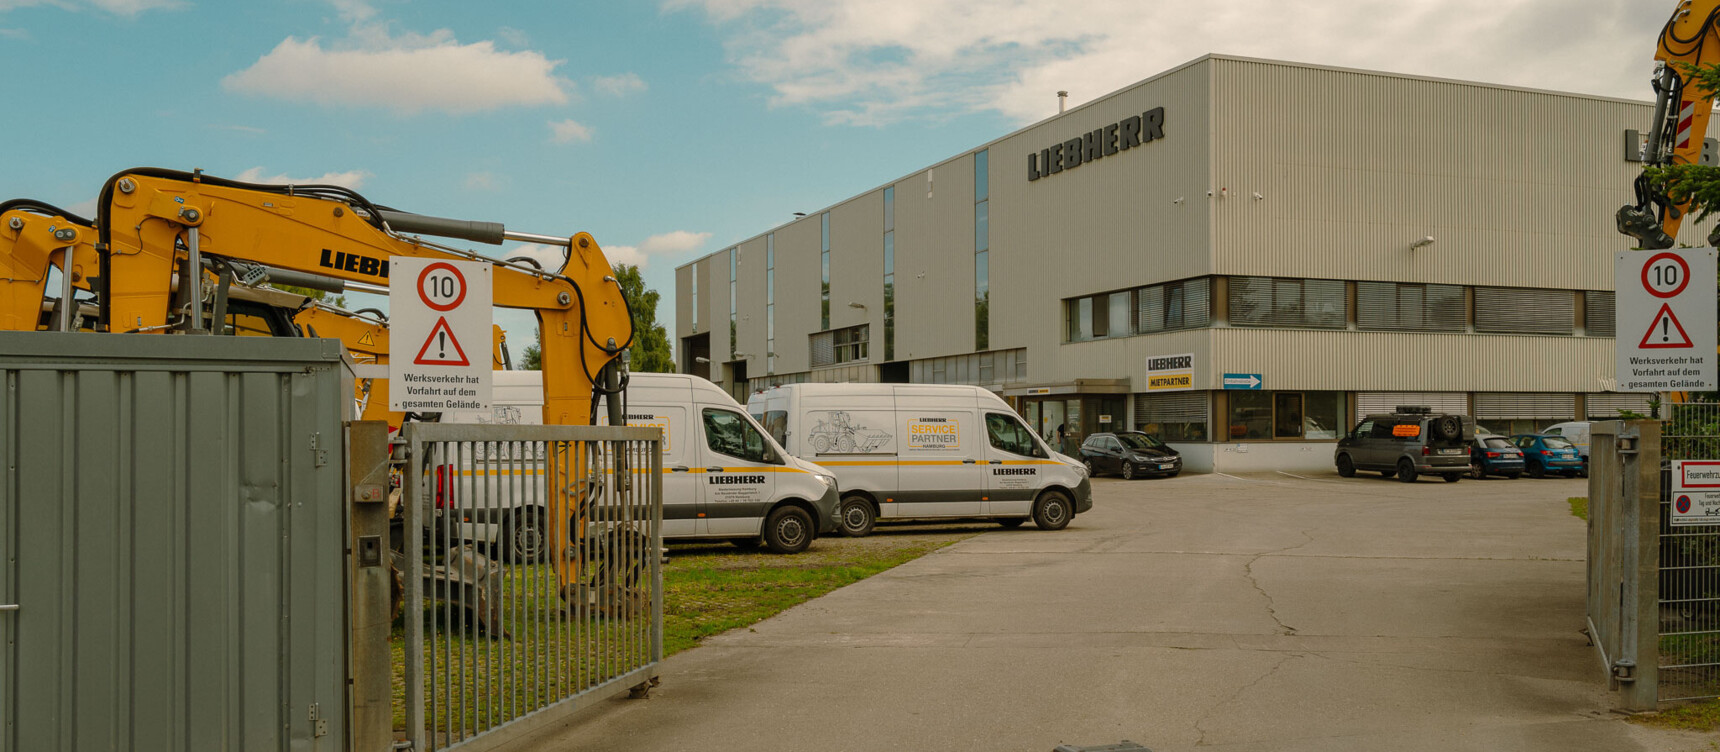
1015,465
941,468
740,473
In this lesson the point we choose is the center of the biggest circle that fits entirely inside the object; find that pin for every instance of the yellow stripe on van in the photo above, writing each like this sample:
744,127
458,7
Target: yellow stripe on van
876,463
646,470
1031,462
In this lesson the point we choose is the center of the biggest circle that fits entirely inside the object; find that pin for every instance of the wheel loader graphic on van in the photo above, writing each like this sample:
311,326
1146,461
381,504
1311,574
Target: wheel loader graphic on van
836,432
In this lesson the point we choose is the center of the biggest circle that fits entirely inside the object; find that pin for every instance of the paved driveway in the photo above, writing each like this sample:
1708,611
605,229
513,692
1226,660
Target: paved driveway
1273,612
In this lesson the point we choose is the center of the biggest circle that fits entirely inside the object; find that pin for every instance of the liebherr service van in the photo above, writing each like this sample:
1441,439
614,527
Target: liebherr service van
918,451
723,477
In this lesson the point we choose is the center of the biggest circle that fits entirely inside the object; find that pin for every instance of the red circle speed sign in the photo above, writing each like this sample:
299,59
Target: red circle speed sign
1665,275
442,292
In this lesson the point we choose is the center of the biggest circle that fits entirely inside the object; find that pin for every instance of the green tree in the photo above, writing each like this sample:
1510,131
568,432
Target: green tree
651,351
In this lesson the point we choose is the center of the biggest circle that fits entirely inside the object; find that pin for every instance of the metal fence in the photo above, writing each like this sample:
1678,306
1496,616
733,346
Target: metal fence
506,631
1688,581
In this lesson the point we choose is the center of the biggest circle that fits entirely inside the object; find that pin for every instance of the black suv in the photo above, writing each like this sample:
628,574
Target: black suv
1408,443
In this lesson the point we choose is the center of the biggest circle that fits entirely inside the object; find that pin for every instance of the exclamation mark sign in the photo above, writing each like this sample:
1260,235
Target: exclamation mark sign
1664,336
442,343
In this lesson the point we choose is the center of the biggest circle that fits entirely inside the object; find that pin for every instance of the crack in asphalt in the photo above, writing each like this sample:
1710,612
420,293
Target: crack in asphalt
1198,724
1271,605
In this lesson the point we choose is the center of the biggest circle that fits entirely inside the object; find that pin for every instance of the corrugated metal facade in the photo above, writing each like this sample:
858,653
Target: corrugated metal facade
173,523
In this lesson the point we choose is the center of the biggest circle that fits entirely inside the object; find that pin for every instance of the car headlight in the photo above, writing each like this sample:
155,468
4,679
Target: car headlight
829,481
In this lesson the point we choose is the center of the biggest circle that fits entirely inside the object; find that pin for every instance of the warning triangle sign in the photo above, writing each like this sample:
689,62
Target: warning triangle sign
367,338
1665,331
441,349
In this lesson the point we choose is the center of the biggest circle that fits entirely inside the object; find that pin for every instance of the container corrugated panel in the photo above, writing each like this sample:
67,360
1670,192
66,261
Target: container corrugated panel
175,508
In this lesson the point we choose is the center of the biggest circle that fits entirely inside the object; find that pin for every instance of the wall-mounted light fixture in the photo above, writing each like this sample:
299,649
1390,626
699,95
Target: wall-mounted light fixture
1426,241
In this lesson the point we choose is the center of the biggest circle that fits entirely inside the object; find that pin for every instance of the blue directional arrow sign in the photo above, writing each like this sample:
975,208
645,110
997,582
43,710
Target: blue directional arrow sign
1242,381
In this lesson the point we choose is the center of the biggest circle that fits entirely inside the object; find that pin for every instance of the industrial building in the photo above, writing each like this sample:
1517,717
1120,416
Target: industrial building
1241,256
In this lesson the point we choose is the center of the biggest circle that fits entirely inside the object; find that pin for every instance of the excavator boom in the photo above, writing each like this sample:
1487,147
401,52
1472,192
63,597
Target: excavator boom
1681,111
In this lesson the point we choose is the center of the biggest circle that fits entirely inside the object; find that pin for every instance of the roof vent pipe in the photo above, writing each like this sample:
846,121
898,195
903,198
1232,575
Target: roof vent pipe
1062,97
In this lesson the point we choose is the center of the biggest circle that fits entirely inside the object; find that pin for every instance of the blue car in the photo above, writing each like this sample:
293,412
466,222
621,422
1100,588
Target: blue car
1548,454
1492,454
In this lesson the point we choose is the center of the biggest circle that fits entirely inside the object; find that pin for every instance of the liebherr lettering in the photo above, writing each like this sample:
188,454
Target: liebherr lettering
353,262
1015,471
1130,132
726,480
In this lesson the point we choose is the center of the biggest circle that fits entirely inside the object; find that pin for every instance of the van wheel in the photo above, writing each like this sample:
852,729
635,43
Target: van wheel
1012,522
524,535
788,530
1346,466
1052,511
855,516
1406,471
1128,470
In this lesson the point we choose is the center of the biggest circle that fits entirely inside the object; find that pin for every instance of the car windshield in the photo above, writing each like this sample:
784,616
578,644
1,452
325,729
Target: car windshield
1554,442
1139,441
1497,442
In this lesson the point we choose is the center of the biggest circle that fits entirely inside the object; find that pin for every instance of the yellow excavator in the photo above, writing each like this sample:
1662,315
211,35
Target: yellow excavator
1680,127
155,227
38,238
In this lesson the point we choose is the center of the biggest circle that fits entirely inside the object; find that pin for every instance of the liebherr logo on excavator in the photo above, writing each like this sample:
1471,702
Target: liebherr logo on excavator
353,262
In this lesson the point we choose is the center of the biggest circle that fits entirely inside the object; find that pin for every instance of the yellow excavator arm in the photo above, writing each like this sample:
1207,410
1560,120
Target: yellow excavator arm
1681,111
154,223
34,238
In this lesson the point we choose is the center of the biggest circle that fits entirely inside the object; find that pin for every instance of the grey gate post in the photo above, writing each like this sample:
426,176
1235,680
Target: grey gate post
370,665
1639,609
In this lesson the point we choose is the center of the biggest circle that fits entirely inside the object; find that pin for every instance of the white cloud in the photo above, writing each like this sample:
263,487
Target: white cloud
483,181
666,244
617,86
679,241
875,61
408,75
252,130
353,179
569,131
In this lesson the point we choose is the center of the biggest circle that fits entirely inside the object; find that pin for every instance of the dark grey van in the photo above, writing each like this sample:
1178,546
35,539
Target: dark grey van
1408,443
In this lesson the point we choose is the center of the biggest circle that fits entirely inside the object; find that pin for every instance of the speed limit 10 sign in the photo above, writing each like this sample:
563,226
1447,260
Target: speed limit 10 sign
440,337
1664,318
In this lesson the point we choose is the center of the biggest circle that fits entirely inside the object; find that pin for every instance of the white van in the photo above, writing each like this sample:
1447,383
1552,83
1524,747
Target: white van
723,477
924,451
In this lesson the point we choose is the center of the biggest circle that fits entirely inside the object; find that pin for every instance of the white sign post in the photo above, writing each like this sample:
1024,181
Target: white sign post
1695,492
1664,316
440,318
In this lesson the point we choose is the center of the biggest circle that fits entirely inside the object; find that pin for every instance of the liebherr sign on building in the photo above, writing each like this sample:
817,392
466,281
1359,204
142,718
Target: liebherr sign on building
1665,320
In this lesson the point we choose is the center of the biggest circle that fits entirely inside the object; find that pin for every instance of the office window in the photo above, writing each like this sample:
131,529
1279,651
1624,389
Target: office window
1410,307
734,266
770,303
1313,416
1598,306
1271,301
824,263
981,260
1181,416
845,345
1523,310
890,273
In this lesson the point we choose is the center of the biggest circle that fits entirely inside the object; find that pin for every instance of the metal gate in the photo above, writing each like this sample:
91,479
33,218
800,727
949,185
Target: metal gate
505,631
1688,581
171,527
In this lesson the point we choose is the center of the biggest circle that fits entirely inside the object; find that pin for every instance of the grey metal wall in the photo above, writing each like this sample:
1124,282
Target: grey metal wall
1518,187
172,530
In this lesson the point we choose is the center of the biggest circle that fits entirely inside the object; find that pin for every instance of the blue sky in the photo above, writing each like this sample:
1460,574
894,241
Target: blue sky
669,130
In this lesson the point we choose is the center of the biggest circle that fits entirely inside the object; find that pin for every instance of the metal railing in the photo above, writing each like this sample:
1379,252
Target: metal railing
506,630
1689,567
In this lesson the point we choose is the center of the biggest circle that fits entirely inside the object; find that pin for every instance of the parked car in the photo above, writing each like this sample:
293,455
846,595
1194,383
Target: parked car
1576,432
1131,454
1407,443
1492,454
1543,454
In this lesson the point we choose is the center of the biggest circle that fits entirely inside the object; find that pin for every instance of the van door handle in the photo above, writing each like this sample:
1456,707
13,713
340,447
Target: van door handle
997,462
969,462
678,469
713,469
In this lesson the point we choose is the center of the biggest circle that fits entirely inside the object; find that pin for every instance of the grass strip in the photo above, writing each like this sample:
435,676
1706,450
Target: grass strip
1579,507
1696,716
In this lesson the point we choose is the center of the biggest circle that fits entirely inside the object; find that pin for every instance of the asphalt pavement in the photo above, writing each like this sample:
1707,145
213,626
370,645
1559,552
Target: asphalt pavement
1270,612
